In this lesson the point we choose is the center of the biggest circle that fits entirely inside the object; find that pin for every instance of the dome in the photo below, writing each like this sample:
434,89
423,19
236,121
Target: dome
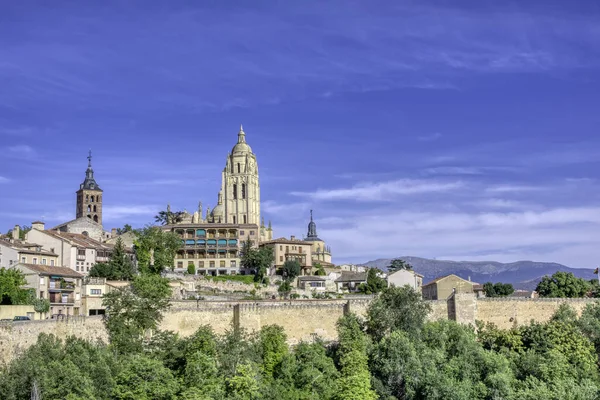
218,211
241,148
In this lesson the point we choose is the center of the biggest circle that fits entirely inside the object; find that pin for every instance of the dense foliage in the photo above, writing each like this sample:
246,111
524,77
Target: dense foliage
118,268
11,287
392,354
155,249
497,289
375,283
257,260
398,264
565,284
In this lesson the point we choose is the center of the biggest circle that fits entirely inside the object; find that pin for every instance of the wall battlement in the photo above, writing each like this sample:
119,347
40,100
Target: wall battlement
301,319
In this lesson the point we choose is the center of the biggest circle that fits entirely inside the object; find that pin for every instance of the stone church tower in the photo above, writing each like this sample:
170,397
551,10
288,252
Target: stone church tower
89,196
240,190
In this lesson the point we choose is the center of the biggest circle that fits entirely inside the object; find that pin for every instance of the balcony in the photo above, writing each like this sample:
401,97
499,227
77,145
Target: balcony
81,257
61,285
102,259
57,298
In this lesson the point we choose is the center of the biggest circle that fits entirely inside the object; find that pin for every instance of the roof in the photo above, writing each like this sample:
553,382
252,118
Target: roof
24,247
311,278
37,222
352,277
407,270
79,240
91,221
288,241
436,280
48,270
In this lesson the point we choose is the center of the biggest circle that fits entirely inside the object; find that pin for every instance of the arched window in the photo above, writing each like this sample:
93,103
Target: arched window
92,199
84,233
244,219
89,216
94,208
87,197
243,190
239,169
235,191
234,219
95,218
89,208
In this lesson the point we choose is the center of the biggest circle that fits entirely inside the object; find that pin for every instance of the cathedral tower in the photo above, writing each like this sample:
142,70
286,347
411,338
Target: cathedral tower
89,196
239,187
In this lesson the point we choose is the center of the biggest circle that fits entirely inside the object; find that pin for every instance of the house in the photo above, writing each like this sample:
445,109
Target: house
404,277
311,282
93,291
350,281
76,251
60,285
441,288
291,249
13,251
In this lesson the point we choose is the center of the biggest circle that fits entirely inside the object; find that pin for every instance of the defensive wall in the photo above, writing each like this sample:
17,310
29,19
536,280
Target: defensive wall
301,319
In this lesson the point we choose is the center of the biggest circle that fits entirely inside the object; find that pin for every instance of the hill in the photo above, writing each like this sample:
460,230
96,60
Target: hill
522,274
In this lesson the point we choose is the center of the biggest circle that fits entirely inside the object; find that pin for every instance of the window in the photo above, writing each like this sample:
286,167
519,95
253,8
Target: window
42,280
87,197
235,191
94,208
280,258
200,264
251,233
23,259
43,261
244,219
89,209
239,169
96,291
41,294
241,233
34,260
287,249
87,269
243,190
280,248
233,264
81,252
77,267
95,218
234,219
212,264
179,264
92,199
299,249
222,263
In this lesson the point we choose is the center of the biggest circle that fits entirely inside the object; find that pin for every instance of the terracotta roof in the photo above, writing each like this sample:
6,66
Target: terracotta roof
352,277
48,270
24,247
78,239
439,278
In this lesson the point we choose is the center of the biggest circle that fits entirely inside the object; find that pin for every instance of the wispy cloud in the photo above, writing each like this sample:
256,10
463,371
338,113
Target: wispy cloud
381,191
430,138
286,209
22,150
4,180
115,212
513,188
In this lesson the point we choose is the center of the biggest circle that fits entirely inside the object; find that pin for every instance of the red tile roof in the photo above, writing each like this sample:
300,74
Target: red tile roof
48,270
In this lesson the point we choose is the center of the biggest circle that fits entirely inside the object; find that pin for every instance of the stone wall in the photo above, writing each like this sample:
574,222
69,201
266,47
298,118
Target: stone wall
15,337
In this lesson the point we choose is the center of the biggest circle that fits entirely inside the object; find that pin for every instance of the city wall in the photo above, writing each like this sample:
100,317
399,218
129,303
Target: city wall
301,319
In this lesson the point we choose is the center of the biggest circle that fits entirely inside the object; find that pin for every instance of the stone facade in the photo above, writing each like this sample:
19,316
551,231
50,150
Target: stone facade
289,250
441,288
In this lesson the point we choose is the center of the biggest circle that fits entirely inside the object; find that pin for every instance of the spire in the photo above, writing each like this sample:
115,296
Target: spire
89,181
220,198
312,229
241,135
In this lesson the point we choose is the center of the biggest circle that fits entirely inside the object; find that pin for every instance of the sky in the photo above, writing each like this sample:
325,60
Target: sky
462,130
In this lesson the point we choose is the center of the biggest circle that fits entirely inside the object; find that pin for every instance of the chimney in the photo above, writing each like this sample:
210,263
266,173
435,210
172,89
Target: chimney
38,225
292,237
16,232
113,232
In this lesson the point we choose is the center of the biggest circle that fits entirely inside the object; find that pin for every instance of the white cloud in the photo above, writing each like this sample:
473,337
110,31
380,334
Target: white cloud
117,212
430,138
381,191
4,180
284,209
500,203
21,150
512,188
453,171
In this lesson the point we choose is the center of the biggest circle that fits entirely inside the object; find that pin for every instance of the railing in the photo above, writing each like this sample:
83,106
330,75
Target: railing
102,259
81,257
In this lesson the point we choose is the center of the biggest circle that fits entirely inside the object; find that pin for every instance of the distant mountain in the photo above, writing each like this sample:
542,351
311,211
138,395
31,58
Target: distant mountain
522,274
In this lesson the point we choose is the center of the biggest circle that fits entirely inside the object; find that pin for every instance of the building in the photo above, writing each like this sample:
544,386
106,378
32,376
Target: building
350,281
311,282
88,210
60,285
291,249
212,241
441,288
353,268
321,253
406,277
17,251
76,251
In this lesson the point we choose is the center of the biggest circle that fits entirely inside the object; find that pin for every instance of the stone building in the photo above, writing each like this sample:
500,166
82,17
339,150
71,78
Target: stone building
15,251
321,253
61,286
88,210
441,288
291,249
212,239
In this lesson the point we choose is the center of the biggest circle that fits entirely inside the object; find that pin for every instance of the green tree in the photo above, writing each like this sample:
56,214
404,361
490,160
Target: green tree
497,289
284,288
155,249
589,324
191,269
126,228
291,269
375,283
11,287
396,308
244,384
143,378
259,260
272,348
563,284
23,229
41,306
397,264
168,217
319,270
133,311
119,266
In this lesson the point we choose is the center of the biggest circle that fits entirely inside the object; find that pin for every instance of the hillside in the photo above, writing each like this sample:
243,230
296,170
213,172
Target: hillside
522,274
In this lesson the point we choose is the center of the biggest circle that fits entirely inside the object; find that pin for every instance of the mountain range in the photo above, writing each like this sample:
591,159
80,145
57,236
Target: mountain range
522,274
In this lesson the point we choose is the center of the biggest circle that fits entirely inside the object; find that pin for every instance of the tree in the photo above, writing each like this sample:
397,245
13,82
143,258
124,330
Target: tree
319,270
155,249
259,260
563,284
168,217
291,269
145,379
284,288
397,264
272,348
22,232
133,311
41,306
119,266
497,289
126,228
375,283
397,308
191,269
11,287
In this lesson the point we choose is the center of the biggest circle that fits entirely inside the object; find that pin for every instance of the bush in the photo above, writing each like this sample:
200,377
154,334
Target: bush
191,269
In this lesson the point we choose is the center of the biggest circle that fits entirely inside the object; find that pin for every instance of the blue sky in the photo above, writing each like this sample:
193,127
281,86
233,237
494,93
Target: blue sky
457,130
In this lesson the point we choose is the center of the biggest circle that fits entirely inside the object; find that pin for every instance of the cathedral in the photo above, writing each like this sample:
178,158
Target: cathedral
213,238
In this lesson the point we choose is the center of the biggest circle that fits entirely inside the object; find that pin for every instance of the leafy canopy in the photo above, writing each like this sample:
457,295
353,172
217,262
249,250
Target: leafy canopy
155,249
563,284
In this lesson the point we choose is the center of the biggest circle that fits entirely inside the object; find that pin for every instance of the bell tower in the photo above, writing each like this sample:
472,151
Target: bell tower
89,196
240,185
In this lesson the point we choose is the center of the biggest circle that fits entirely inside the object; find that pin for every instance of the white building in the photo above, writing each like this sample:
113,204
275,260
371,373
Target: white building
405,277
